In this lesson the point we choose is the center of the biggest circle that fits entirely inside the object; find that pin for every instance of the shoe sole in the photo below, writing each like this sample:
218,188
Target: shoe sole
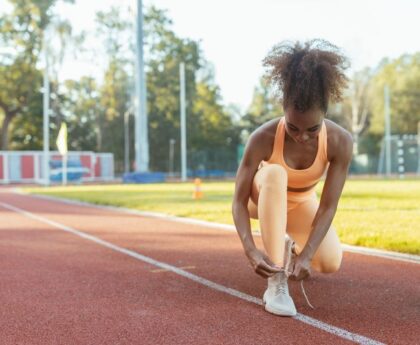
276,311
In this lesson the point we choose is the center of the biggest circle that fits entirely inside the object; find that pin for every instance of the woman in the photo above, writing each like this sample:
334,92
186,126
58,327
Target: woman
283,161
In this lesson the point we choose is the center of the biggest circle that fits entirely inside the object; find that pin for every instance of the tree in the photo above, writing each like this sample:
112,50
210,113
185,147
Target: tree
360,104
402,75
64,42
265,105
115,91
19,89
80,108
22,29
210,130
94,109
353,112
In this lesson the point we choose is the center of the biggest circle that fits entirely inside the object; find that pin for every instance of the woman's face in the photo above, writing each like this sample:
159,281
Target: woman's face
303,127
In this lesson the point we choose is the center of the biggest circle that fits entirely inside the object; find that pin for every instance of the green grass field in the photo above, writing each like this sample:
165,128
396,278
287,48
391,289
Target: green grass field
381,214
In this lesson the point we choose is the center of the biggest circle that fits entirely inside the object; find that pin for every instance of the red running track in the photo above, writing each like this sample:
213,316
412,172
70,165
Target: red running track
59,288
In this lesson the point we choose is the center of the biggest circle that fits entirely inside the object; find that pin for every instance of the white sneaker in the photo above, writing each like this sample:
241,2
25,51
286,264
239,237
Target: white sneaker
276,298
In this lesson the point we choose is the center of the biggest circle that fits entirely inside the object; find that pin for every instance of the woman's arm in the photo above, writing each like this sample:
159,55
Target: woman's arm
334,183
258,148
252,157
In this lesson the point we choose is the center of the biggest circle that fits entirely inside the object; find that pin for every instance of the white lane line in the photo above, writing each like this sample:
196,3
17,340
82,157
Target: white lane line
301,317
412,258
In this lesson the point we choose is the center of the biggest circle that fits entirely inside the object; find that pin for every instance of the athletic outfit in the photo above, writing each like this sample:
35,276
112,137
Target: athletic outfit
280,211
300,178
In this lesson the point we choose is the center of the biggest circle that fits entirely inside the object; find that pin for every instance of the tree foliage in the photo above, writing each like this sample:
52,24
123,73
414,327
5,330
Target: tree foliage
94,108
209,126
402,76
22,32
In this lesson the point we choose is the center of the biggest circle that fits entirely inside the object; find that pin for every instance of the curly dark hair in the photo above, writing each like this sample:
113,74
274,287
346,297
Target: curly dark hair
307,75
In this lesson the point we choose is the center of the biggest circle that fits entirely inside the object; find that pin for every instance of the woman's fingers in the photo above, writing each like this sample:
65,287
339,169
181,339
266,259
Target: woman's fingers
266,269
264,274
299,274
270,267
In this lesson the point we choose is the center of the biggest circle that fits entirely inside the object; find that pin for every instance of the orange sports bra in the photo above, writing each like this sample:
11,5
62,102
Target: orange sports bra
301,178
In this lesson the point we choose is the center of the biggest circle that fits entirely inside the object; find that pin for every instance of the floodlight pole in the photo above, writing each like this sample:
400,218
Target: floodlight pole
126,142
171,156
141,140
387,132
183,123
46,113
418,148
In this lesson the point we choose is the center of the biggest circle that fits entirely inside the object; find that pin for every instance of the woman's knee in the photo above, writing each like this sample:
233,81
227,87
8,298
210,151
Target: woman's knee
273,174
331,263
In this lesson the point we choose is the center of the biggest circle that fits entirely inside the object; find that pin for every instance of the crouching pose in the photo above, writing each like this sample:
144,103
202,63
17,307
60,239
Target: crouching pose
283,161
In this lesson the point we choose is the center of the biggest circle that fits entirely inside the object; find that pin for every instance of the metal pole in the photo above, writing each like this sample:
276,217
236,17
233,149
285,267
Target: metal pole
46,119
64,169
387,132
142,144
418,148
171,156
126,142
381,160
183,123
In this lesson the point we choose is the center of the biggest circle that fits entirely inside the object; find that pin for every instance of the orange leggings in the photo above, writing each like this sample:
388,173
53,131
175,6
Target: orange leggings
280,211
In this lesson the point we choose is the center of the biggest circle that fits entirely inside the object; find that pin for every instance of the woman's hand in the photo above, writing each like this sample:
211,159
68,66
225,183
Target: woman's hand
261,263
301,268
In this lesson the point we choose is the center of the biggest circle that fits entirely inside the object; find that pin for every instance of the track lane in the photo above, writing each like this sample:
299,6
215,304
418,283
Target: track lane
59,288
348,299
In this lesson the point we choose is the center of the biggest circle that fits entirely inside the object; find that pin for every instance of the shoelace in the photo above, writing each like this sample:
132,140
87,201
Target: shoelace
289,247
282,286
304,294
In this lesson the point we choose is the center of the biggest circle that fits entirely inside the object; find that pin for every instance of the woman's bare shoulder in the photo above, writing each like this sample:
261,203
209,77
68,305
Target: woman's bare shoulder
336,135
262,139
267,131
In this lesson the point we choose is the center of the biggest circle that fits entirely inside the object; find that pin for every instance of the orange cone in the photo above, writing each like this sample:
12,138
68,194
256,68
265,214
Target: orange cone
197,194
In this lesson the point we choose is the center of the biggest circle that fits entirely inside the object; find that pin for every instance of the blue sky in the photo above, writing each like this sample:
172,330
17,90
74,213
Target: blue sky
236,34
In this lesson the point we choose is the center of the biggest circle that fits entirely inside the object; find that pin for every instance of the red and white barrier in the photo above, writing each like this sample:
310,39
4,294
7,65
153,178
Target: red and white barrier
27,166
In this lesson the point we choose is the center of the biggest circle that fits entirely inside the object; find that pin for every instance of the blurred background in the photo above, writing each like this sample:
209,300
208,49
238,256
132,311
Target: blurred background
82,55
